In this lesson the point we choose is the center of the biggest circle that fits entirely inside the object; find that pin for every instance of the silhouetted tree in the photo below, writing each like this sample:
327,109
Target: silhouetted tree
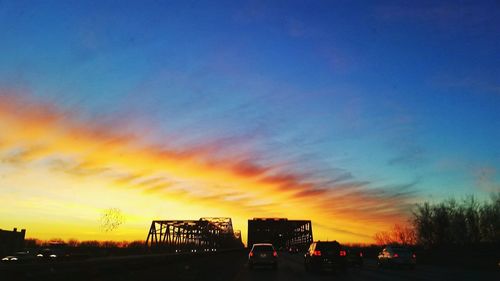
458,223
90,244
401,235
471,212
382,238
404,235
458,226
73,243
136,244
489,220
109,244
32,243
422,222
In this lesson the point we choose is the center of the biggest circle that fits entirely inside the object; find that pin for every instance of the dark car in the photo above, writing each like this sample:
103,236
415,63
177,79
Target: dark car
397,256
293,249
19,257
52,254
354,257
325,256
263,254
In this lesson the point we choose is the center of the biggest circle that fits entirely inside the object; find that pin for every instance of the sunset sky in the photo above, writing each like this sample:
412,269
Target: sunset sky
345,114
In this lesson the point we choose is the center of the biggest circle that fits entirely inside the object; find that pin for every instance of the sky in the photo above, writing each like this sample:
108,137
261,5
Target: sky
345,113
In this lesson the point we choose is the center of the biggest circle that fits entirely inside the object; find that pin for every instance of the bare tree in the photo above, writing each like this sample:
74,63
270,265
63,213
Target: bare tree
401,235
489,220
382,238
73,243
458,223
422,221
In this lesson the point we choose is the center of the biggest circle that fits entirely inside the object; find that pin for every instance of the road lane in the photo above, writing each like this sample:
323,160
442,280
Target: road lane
233,266
291,268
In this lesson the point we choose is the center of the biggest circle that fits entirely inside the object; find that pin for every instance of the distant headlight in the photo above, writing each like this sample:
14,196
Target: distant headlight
53,256
40,255
5,259
13,259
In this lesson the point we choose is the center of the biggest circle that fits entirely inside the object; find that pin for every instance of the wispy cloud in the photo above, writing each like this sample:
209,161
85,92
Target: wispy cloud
203,174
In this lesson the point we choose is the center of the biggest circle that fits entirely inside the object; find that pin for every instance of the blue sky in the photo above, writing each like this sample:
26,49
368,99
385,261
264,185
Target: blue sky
403,95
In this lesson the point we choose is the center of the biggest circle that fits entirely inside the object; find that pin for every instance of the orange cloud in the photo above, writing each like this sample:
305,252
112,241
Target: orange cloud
64,143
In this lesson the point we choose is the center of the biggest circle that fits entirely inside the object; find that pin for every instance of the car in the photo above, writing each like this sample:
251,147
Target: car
325,256
52,254
263,254
354,257
397,256
293,249
19,257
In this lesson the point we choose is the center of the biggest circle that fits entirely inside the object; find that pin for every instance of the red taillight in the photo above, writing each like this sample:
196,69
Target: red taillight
342,253
414,256
251,254
361,254
396,255
317,253
275,254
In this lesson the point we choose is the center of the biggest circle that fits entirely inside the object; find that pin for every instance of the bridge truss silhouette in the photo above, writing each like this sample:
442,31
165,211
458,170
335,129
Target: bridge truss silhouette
205,234
281,232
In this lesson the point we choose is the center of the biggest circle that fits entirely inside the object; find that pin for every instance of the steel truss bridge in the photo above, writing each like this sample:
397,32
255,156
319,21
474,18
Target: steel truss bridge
281,232
205,234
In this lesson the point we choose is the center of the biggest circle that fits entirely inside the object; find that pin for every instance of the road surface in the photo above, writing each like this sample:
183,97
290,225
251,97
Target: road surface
233,266
291,268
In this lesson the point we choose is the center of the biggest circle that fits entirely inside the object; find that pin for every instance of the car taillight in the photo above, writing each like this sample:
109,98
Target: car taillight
275,254
342,253
414,256
317,253
361,254
251,254
396,255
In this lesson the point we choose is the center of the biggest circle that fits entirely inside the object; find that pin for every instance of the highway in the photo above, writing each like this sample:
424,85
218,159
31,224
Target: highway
232,266
291,268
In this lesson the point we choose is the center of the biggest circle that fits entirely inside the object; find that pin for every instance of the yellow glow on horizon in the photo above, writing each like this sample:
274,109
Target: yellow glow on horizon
59,173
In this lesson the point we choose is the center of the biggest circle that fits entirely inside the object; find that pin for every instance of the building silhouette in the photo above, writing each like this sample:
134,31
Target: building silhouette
11,241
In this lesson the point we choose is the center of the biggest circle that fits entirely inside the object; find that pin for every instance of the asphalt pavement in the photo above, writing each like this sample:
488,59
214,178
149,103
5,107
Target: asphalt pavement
232,266
291,268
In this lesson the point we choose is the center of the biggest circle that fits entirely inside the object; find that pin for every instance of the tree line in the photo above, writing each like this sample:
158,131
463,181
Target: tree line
450,222
74,243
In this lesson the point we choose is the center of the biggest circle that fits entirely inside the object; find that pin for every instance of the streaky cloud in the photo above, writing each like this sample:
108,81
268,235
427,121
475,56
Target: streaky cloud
203,174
